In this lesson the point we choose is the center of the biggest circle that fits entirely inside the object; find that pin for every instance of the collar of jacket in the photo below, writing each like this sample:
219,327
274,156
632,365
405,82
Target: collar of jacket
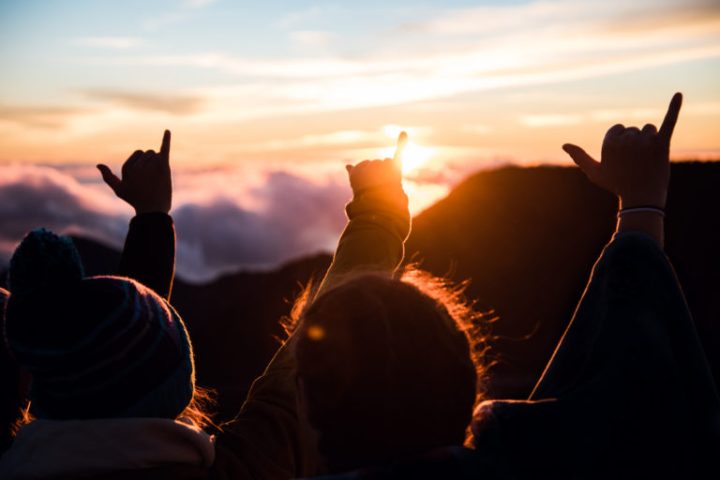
48,448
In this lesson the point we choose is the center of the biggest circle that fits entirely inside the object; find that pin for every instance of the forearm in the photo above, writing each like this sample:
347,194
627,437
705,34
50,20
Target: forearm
374,238
149,252
629,280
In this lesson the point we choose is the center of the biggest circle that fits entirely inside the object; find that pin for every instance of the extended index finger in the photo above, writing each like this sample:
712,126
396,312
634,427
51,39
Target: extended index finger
401,142
668,125
165,147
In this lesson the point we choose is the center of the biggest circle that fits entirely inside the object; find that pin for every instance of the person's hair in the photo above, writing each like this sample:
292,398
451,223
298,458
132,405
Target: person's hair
388,367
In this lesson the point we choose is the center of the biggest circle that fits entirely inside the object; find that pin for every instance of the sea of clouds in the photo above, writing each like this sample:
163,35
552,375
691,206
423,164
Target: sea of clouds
224,220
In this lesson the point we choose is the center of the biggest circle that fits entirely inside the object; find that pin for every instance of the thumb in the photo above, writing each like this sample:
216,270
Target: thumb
165,146
401,143
109,177
587,164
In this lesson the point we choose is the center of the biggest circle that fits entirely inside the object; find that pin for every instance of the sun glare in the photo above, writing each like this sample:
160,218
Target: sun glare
414,156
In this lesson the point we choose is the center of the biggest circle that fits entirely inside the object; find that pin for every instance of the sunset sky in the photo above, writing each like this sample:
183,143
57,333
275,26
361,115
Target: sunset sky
267,102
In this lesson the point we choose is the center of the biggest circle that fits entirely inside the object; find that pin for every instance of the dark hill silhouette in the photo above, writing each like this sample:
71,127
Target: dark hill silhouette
526,237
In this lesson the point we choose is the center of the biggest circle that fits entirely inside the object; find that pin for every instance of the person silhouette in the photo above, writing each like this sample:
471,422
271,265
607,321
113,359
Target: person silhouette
628,392
148,255
385,361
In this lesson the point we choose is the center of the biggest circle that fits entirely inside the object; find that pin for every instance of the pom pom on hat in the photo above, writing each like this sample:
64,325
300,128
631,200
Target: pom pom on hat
43,259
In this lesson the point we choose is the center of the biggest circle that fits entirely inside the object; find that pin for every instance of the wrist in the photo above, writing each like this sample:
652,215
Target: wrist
641,209
646,201
378,187
648,222
146,210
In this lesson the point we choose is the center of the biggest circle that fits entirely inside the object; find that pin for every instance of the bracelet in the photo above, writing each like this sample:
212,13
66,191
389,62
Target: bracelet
642,209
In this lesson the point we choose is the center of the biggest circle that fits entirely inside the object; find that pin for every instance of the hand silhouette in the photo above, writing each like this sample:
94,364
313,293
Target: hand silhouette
373,173
635,164
146,182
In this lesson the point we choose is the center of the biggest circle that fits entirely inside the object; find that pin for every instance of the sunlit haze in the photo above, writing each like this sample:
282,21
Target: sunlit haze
268,101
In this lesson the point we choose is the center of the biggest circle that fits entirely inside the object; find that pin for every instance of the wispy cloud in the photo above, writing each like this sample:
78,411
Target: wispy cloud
175,104
550,120
302,17
312,38
613,16
183,12
474,50
630,116
286,101
42,116
114,43
344,138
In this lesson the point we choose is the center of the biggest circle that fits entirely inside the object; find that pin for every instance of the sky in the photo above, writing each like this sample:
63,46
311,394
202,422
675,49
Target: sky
267,102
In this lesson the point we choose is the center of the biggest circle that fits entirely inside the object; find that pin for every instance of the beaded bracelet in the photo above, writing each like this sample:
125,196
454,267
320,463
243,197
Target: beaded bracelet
642,208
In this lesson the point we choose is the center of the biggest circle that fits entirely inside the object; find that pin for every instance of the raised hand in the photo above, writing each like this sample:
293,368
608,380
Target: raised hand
635,164
373,173
146,182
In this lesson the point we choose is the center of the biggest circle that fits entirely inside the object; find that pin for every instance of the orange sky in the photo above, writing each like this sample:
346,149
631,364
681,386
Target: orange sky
495,79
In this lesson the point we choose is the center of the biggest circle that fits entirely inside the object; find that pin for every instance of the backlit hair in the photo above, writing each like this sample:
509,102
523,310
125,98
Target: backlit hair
389,366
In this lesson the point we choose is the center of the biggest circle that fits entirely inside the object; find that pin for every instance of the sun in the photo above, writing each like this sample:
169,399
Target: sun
414,156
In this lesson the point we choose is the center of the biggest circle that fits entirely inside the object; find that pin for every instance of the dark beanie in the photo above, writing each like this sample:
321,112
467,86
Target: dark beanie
97,347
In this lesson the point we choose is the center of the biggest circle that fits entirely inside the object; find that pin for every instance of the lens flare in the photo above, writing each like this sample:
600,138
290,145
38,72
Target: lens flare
315,332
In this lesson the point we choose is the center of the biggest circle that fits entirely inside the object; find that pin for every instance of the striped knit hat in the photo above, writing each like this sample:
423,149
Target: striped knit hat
97,347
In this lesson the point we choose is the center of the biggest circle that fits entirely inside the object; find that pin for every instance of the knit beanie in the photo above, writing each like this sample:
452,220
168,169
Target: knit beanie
97,347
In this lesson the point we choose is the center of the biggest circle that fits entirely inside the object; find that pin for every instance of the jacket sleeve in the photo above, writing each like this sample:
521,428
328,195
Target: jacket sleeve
374,238
149,252
267,439
632,316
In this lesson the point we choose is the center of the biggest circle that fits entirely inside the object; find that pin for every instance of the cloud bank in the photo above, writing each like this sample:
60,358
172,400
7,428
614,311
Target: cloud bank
295,218
290,217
